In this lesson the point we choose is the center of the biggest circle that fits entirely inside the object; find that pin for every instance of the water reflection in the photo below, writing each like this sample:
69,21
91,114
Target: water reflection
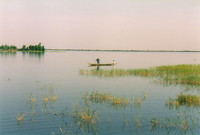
85,119
98,68
183,123
6,54
33,56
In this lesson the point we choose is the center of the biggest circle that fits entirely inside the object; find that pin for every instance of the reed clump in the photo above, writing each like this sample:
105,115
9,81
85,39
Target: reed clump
32,99
114,101
98,97
154,123
184,99
20,117
120,101
182,123
85,116
188,99
101,97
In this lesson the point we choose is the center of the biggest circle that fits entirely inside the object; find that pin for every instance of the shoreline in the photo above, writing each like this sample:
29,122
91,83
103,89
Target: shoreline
101,50
105,50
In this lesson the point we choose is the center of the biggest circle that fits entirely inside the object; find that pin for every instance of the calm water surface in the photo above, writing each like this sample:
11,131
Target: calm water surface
57,73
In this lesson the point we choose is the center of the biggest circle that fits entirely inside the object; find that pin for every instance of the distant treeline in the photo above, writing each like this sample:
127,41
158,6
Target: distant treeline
8,47
38,47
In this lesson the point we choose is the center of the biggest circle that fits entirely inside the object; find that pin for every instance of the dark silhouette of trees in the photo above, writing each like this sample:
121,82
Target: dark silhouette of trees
38,47
8,47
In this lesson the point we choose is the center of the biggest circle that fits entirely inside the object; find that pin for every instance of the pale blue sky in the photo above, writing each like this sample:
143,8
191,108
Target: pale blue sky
102,24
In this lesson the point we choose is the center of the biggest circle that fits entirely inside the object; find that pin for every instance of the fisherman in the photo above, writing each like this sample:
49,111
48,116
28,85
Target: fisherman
113,62
98,60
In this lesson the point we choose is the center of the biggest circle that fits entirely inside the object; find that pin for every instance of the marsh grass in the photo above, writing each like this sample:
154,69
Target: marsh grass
138,122
32,99
184,100
188,99
48,92
111,100
154,123
49,98
180,123
187,74
20,117
85,117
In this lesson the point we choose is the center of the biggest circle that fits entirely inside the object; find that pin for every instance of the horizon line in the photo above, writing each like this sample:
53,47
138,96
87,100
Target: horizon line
126,50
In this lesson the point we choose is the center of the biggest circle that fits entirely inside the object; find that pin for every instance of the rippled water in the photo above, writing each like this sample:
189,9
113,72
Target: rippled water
57,73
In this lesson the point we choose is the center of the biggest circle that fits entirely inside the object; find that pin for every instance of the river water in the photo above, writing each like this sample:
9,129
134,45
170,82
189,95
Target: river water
24,76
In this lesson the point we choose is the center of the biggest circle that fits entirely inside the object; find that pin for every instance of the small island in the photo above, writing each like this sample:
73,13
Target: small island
31,48
8,48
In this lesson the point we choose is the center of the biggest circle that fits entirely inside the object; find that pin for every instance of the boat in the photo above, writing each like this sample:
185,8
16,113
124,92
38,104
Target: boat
101,64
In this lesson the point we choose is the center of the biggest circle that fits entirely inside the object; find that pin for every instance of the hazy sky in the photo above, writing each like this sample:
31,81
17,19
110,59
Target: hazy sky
102,24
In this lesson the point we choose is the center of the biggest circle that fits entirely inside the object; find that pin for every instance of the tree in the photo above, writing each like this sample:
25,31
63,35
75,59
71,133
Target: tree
24,47
43,49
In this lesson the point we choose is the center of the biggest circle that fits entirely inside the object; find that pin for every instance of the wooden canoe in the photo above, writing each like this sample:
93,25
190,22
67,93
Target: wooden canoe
101,64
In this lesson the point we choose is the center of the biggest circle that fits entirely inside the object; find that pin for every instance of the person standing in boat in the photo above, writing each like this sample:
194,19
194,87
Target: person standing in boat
113,62
98,60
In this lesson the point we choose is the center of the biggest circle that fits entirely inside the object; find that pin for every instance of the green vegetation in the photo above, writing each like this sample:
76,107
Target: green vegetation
8,48
38,47
188,99
184,100
114,101
85,116
34,48
173,74
179,123
20,117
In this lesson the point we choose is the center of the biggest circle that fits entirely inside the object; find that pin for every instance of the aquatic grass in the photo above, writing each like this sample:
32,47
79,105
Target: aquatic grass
171,103
20,117
138,122
98,97
111,100
186,74
52,97
85,117
45,99
49,98
32,98
179,123
120,101
188,99
184,100
154,123
48,92
101,97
